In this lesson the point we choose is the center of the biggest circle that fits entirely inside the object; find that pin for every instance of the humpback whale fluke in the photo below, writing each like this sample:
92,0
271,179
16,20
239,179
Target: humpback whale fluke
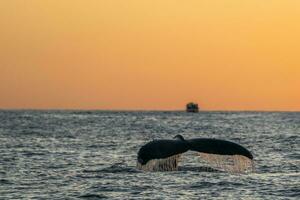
164,155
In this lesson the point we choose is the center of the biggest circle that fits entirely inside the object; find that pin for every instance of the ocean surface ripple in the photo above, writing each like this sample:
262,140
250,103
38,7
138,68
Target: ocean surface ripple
92,155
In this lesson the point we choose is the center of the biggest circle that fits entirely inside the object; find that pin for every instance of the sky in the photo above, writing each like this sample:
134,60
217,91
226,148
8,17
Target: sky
150,55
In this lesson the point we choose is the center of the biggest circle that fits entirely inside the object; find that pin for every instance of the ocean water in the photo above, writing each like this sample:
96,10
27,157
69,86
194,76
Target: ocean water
92,155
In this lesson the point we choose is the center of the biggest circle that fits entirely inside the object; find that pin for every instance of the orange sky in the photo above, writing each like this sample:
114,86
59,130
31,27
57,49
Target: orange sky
140,54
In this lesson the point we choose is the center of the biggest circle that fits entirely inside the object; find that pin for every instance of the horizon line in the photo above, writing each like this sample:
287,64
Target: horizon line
137,110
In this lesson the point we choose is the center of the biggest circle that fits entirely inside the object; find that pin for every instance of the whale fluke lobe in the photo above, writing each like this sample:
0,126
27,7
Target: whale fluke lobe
164,155
160,149
220,147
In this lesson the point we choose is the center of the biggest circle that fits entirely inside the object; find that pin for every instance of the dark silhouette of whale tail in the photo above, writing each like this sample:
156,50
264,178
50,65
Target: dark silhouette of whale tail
164,155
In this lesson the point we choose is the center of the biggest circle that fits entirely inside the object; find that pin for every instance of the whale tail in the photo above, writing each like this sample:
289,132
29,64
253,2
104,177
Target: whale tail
164,155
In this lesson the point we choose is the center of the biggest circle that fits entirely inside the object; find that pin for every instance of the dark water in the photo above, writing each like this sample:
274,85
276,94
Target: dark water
92,155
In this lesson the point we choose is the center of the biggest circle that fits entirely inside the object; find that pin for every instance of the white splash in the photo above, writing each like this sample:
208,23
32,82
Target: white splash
166,164
228,163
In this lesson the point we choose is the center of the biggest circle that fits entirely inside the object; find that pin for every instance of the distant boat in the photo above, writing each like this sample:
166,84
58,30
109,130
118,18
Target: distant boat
192,107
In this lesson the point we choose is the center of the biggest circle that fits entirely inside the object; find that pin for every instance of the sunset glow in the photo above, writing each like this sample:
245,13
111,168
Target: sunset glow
150,55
